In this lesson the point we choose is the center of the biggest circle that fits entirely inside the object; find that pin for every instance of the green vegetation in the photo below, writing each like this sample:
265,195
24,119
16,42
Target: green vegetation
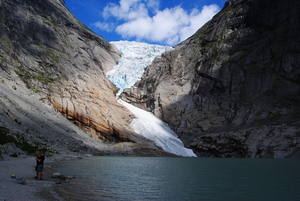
238,54
25,74
51,20
52,55
22,143
215,42
84,30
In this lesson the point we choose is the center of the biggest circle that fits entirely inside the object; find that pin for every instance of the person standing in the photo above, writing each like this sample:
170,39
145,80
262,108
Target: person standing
39,165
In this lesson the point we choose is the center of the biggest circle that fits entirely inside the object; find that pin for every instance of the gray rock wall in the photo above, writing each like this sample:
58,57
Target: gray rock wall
239,72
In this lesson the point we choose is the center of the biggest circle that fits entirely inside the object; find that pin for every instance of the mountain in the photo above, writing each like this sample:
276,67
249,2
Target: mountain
231,89
54,92
135,57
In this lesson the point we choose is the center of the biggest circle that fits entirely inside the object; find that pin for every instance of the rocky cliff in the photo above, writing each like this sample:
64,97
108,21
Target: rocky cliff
51,61
232,89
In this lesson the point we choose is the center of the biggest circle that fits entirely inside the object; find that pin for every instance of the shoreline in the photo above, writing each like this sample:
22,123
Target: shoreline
25,186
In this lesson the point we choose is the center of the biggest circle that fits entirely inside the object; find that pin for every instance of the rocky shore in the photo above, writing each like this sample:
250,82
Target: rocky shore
23,185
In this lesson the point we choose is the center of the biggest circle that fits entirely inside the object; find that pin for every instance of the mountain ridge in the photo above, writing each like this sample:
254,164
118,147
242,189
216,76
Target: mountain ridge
52,62
231,89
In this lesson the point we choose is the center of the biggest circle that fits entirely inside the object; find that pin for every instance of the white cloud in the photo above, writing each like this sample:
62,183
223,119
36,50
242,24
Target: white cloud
108,27
126,10
153,4
197,19
141,19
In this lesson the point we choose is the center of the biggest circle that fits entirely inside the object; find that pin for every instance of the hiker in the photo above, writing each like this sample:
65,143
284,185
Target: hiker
39,165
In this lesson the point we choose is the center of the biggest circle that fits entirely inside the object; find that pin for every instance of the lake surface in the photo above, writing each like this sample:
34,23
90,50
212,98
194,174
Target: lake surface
172,179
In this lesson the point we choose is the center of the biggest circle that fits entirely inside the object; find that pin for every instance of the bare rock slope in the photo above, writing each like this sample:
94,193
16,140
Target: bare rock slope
232,89
52,75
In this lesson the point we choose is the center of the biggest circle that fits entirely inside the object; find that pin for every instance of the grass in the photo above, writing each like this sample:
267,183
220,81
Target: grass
22,143
25,74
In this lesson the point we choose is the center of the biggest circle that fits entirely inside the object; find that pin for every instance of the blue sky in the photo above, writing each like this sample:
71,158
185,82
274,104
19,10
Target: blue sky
164,22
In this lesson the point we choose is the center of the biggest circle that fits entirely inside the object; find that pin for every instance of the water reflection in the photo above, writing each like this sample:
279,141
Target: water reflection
145,178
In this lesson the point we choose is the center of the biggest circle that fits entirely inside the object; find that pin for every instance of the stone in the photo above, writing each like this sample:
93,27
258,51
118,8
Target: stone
238,72
19,178
21,181
58,175
70,177
10,149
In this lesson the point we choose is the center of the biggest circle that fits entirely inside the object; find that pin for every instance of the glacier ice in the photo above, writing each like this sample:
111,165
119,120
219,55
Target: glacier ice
135,57
151,127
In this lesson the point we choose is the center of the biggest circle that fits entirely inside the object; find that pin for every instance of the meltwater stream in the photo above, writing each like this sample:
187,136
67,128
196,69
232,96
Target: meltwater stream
135,57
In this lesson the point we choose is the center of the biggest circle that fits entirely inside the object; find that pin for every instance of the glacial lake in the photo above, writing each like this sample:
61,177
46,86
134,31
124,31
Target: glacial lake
172,179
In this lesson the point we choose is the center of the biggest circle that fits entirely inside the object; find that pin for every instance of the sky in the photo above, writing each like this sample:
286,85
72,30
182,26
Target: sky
163,22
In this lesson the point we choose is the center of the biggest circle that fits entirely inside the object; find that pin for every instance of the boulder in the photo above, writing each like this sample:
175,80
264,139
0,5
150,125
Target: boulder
10,149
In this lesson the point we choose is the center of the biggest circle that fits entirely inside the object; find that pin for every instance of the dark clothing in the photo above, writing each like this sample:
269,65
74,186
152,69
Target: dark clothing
39,168
40,164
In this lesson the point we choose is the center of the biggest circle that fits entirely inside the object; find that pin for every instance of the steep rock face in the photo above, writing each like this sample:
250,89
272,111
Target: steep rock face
232,89
63,64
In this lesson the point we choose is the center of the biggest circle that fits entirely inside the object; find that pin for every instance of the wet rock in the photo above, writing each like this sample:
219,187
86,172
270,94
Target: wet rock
70,177
58,176
58,182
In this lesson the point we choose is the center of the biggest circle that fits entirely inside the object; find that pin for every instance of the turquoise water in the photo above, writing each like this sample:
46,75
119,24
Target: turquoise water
151,178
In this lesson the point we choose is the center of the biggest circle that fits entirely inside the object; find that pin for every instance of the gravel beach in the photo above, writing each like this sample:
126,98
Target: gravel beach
24,187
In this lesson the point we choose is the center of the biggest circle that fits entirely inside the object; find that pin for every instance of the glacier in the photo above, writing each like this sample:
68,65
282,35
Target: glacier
135,57
151,127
